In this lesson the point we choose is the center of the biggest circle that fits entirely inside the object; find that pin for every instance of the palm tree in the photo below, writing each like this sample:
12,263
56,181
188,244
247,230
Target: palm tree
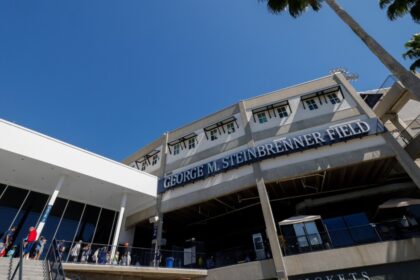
413,52
297,7
398,8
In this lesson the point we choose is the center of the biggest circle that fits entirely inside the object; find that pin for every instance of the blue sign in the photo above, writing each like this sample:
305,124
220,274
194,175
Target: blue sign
281,146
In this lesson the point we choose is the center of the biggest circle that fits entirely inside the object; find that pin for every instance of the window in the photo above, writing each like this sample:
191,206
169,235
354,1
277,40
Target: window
282,111
177,148
262,117
230,128
213,134
333,98
311,104
191,143
143,166
155,159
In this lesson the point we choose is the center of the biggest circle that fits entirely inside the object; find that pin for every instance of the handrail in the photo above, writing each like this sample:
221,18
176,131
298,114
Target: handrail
20,263
55,266
402,133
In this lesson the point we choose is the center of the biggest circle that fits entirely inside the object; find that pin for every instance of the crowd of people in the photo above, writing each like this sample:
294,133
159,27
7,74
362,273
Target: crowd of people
84,253
33,247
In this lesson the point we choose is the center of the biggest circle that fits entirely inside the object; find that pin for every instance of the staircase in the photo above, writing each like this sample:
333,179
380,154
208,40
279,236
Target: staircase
32,270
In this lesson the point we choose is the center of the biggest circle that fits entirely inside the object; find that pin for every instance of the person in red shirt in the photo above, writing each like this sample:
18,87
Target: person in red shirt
30,240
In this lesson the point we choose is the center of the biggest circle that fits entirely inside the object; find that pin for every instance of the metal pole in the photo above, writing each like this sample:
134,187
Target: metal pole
118,227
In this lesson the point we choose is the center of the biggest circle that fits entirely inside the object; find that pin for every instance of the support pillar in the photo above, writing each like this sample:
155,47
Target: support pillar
271,228
270,225
118,226
158,226
50,205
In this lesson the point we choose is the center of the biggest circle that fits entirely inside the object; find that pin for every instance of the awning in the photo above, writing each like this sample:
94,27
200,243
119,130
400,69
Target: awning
36,162
399,202
299,219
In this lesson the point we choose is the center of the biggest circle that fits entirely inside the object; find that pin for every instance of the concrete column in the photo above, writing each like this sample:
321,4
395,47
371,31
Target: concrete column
271,229
118,225
50,205
270,225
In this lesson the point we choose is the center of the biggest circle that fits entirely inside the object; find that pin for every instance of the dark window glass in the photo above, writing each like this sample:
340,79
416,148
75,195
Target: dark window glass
357,219
103,231
29,214
52,222
9,206
113,227
88,224
414,211
68,226
70,221
360,228
339,234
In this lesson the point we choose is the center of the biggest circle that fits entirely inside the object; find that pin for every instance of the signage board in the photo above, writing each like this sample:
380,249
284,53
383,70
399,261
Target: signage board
277,147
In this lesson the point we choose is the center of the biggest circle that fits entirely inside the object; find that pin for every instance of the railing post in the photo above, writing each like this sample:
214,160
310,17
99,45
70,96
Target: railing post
21,262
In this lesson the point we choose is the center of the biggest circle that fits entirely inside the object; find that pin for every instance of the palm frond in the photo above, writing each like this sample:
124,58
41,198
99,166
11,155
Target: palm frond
399,8
413,51
294,7
415,11
415,65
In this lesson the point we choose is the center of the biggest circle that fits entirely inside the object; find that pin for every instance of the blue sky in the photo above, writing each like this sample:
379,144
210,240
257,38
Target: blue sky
111,76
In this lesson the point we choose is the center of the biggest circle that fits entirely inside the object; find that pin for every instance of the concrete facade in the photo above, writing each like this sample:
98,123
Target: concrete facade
256,121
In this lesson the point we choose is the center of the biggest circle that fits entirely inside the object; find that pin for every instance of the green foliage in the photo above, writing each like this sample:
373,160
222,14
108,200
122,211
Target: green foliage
413,52
399,8
295,7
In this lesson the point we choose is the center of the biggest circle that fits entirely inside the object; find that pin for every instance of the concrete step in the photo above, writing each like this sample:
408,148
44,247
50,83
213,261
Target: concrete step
32,269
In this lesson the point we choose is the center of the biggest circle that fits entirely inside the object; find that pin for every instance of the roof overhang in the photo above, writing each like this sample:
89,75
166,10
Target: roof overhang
299,219
34,161
399,202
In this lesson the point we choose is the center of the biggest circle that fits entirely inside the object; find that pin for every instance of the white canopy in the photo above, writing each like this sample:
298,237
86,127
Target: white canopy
299,219
399,202
35,161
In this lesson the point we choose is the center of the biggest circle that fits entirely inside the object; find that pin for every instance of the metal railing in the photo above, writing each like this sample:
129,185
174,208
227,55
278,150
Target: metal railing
100,254
19,265
405,136
55,266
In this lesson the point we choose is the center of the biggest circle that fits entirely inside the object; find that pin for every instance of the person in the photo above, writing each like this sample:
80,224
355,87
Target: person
86,251
128,258
11,252
116,258
102,257
210,262
29,243
95,256
125,253
61,248
39,248
7,241
74,252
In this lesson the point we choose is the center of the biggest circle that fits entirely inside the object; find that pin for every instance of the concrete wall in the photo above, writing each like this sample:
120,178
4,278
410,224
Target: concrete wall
353,257
250,270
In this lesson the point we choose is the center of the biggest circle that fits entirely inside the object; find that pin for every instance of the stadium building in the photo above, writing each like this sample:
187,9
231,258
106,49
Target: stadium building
315,181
